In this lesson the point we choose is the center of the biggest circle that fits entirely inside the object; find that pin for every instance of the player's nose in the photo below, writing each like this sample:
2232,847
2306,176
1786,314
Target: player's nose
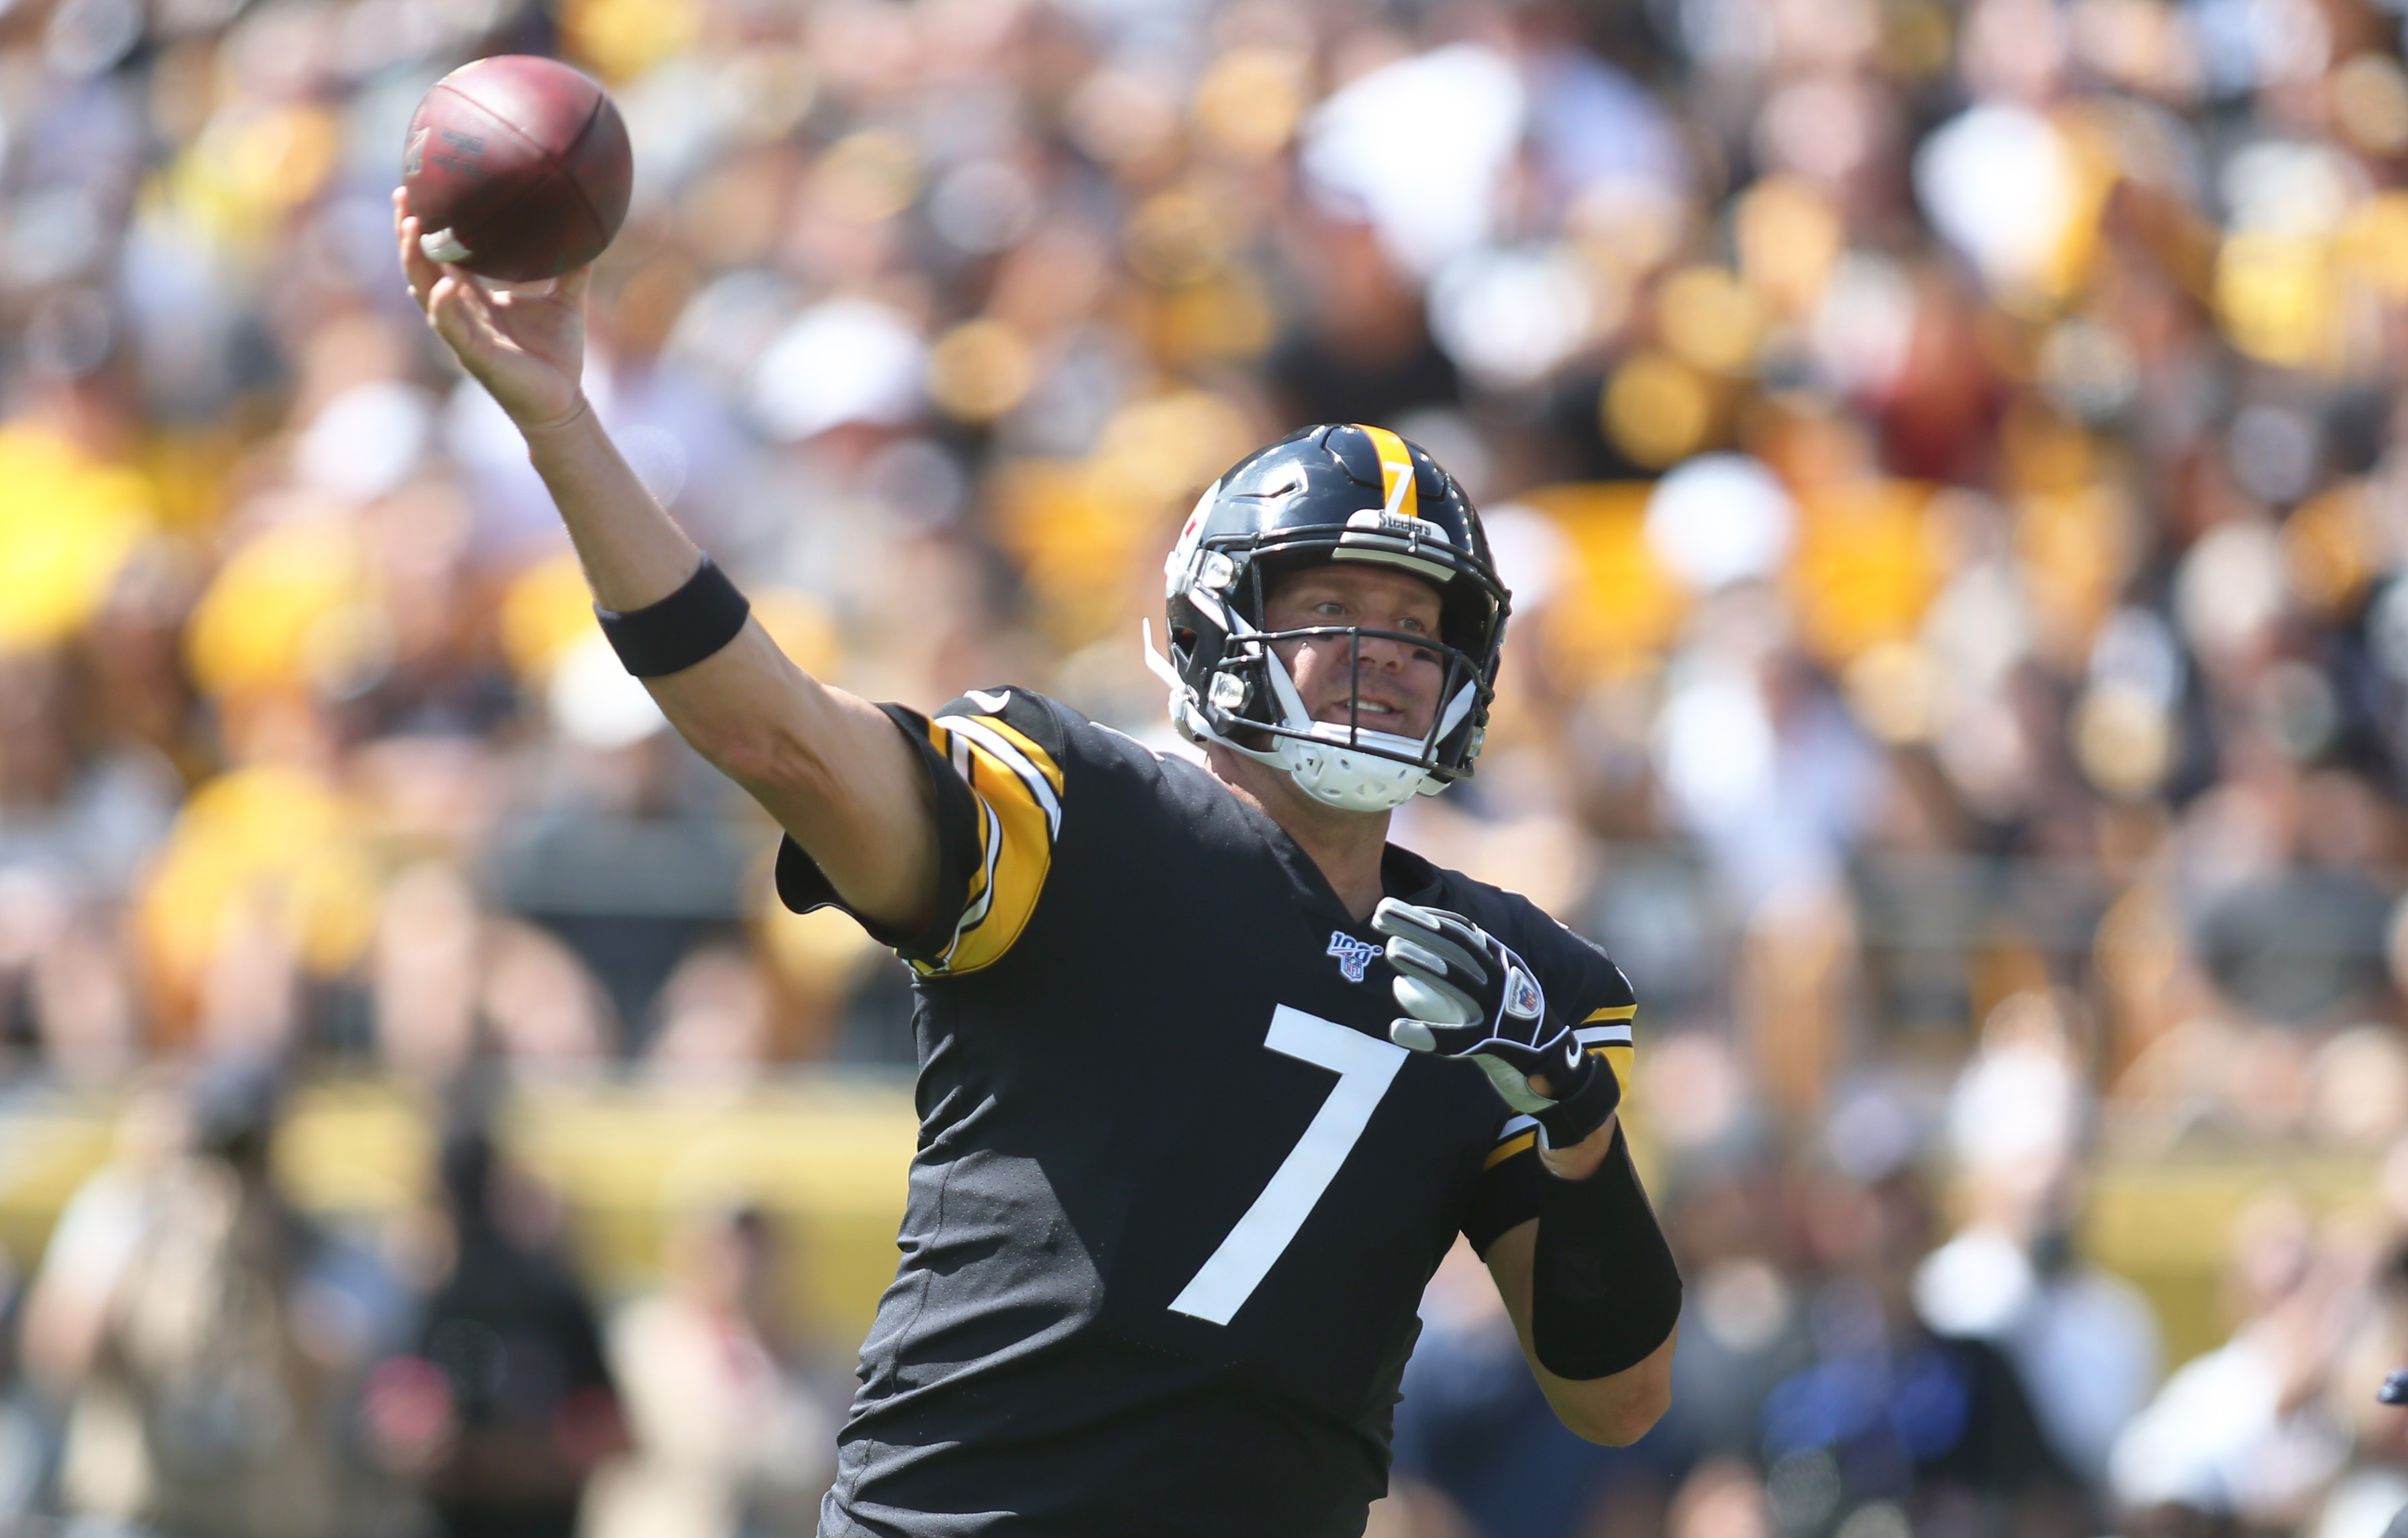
1387,654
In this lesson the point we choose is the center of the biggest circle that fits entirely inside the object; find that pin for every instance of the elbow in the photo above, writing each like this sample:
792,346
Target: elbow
1617,1411
762,758
1620,1424
752,759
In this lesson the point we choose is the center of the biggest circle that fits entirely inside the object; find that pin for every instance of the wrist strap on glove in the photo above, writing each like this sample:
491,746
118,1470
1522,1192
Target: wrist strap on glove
690,624
1604,1290
1582,1108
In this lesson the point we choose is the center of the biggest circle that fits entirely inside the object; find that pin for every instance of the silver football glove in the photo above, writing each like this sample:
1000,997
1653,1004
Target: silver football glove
1465,994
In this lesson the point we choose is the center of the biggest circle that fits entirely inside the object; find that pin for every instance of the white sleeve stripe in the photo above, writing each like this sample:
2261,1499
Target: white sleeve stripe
993,857
1602,1035
1516,1126
1013,759
976,913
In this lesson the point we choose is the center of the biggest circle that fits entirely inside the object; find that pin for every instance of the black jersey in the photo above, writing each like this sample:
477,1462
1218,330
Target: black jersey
1177,1194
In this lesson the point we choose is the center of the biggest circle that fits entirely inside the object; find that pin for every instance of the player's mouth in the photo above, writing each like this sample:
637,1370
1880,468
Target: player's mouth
1378,714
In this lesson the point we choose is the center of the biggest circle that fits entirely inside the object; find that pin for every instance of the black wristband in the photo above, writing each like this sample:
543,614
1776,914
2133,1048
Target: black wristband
681,630
1582,1109
1604,1290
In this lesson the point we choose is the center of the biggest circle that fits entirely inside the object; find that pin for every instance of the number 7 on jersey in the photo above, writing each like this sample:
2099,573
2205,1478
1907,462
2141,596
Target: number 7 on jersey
1365,1066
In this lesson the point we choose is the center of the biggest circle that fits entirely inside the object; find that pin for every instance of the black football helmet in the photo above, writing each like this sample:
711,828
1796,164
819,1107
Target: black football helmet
1333,492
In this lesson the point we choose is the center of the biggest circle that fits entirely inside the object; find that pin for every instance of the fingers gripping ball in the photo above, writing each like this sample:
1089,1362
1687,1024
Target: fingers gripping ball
517,167
1465,994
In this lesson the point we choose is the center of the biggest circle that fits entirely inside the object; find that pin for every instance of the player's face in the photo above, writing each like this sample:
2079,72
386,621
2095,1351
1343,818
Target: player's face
1398,688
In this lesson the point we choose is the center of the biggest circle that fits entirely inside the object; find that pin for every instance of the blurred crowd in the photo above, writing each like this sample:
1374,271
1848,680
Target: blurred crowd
1948,459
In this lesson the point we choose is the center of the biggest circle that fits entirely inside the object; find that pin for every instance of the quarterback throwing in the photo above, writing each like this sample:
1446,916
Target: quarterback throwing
1210,1074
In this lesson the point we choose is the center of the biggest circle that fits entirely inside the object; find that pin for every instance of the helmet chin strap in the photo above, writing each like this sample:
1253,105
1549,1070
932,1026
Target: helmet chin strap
1183,710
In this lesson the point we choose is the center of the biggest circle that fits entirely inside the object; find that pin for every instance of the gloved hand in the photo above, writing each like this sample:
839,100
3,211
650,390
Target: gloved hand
1465,995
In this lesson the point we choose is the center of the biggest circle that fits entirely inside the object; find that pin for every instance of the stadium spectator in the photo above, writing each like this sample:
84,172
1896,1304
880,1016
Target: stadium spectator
2252,1431
502,1405
204,1336
733,1427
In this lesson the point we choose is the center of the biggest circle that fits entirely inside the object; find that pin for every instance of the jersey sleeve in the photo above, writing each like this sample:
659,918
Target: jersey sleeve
1586,989
995,761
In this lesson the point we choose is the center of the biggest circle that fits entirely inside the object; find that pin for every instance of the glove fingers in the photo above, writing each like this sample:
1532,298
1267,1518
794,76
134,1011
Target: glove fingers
1445,1041
1440,932
1413,957
1461,931
1410,960
1469,960
1395,916
1392,918
1439,955
1434,1001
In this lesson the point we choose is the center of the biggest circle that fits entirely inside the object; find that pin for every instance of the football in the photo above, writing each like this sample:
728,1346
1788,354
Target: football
517,167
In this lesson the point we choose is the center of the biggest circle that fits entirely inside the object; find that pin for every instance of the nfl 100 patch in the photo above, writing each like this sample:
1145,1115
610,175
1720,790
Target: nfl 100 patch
1353,955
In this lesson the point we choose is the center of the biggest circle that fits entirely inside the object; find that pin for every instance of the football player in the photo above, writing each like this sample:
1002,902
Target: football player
1210,1074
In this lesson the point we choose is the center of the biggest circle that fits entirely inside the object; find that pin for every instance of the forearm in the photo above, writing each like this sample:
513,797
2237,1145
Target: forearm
1594,1292
744,707
830,768
632,552
1617,1409
1580,1160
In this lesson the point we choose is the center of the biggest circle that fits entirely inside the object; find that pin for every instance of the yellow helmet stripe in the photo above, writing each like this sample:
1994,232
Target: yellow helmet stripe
1396,472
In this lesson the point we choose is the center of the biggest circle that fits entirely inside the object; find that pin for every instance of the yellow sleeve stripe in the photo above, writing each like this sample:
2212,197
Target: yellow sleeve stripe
1014,748
1508,1149
1612,1012
1019,812
1396,472
1036,756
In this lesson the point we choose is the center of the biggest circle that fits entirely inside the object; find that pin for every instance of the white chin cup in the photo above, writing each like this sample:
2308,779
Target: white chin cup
1353,781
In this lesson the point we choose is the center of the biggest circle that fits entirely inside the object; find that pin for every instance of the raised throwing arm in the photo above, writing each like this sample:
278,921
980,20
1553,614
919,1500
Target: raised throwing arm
830,767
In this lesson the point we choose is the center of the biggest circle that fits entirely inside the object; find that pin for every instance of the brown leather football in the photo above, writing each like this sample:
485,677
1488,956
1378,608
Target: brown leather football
517,167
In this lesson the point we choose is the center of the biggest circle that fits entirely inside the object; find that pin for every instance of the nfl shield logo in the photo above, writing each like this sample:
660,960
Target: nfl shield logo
1353,955
1525,1000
